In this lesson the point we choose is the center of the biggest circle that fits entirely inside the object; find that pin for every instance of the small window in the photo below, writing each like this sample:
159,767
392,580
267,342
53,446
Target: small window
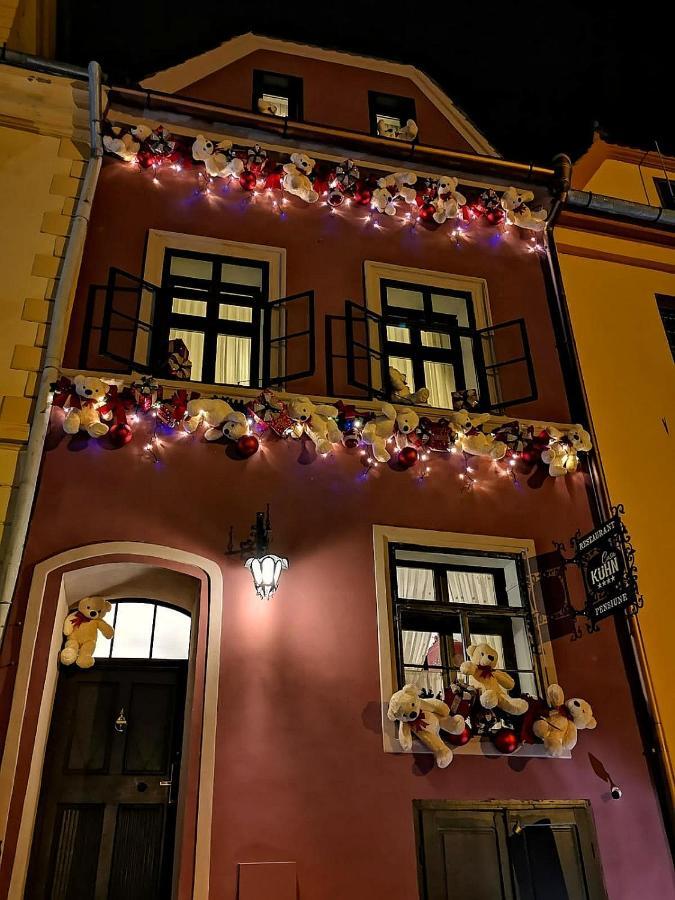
277,95
665,188
446,600
667,311
145,630
390,109
526,850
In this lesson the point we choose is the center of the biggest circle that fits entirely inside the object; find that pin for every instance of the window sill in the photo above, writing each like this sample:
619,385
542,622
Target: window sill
478,746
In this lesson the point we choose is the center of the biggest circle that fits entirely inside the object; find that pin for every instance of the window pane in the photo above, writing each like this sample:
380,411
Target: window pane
192,268
235,313
440,379
509,638
231,273
470,378
281,104
388,120
451,306
233,360
133,631
405,367
435,339
194,341
188,307
172,634
472,587
404,299
420,647
430,679
415,584
103,647
401,334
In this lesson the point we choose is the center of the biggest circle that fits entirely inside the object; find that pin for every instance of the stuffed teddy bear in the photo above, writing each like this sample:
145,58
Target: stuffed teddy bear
424,718
407,132
122,145
318,422
82,407
559,729
392,188
267,108
296,178
472,440
381,429
81,629
401,393
561,455
217,161
218,416
491,683
448,200
518,213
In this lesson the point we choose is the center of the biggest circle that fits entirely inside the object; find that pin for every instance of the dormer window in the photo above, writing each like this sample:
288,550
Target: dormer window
389,114
277,95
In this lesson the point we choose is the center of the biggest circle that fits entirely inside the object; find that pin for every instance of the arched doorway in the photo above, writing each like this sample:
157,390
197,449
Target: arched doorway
106,821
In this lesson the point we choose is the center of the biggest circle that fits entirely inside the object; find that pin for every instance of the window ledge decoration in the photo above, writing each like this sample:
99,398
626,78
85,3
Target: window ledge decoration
398,438
542,728
432,202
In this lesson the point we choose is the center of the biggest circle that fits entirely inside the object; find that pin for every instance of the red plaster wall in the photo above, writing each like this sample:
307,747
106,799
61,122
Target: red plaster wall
335,95
325,252
301,774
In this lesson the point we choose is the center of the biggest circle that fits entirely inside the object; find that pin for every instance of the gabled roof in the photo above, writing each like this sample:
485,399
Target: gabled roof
177,78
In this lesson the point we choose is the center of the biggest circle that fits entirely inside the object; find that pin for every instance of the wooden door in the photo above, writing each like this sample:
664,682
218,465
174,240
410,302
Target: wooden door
106,819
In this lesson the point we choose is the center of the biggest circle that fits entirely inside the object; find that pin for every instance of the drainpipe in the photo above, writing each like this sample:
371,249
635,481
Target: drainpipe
30,465
628,634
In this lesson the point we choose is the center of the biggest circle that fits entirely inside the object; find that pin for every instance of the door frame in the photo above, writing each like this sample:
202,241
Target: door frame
37,674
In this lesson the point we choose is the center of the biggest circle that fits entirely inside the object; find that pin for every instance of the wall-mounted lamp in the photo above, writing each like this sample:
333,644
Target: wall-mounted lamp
265,567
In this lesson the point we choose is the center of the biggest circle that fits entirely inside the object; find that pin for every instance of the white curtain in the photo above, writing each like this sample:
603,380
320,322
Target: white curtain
472,587
233,360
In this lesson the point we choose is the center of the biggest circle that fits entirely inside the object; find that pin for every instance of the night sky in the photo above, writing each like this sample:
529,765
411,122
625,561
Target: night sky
534,81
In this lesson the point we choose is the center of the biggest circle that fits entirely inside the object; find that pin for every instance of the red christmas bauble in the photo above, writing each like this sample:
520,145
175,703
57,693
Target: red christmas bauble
426,212
458,740
505,740
247,445
120,434
247,180
407,457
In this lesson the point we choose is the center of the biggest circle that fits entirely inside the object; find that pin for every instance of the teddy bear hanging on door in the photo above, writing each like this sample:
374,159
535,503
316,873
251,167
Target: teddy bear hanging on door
81,628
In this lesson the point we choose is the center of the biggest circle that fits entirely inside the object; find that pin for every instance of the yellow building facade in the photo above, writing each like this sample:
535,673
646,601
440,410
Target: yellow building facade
44,146
614,270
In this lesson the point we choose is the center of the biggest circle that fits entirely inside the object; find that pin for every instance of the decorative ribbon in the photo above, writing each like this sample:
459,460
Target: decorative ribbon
419,724
483,672
118,403
464,399
78,618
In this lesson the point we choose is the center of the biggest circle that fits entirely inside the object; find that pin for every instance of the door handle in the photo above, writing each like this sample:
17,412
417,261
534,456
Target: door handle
169,784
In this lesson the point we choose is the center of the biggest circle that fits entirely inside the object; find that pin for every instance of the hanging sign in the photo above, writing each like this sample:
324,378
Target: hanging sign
606,560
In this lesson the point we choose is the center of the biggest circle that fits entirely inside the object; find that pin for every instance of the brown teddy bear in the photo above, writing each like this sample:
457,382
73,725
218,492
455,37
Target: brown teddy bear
492,683
81,629
83,404
424,718
559,729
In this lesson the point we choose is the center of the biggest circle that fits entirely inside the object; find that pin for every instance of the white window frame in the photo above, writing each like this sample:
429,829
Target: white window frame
383,536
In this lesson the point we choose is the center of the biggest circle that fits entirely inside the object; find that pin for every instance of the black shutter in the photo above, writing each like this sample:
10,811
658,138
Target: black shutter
506,372
128,320
366,360
455,845
288,342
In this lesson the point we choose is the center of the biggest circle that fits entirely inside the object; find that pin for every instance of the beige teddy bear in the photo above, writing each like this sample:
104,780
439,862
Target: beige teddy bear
561,455
82,407
215,158
448,199
81,629
385,428
318,422
401,393
424,719
472,440
491,682
392,188
296,178
519,213
559,729
218,416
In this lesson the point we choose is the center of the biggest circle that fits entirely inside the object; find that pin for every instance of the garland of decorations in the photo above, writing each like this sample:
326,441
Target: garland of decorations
431,201
108,410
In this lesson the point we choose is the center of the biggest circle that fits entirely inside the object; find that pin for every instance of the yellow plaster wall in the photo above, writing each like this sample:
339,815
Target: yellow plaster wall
629,376
627,181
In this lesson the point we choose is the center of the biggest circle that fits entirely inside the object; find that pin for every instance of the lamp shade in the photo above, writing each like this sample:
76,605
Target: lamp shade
266,571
